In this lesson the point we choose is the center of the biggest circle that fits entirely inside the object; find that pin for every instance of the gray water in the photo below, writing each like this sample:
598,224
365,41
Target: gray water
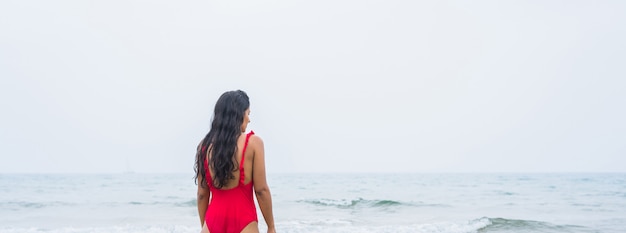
451,203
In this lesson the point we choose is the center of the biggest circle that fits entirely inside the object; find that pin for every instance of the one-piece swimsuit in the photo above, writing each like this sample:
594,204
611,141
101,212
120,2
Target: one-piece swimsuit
231,210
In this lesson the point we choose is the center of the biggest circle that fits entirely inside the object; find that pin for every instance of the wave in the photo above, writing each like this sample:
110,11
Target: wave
344,203
191,202
307,226
26,205
360,202
188,203
503,225
347,226
16,205
112,229
480,225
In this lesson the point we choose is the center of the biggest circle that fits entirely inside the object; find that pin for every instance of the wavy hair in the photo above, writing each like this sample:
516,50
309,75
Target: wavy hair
221,141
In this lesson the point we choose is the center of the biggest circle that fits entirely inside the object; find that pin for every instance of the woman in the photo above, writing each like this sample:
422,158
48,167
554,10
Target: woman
229,163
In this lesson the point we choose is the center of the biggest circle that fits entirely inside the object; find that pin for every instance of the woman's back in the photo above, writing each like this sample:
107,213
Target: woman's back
247,162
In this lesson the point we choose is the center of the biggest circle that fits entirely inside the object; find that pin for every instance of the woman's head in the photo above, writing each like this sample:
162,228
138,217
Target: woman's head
231,111
230,119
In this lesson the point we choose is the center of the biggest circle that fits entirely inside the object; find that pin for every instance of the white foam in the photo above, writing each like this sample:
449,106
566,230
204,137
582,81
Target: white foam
328,225
345,226
113,229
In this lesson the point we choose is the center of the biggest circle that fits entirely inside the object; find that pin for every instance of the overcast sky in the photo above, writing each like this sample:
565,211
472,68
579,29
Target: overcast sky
335,85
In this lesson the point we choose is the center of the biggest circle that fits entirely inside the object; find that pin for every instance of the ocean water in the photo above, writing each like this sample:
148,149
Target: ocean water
446,203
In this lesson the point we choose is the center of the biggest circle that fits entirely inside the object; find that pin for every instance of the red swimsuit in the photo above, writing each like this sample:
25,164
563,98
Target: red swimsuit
231,210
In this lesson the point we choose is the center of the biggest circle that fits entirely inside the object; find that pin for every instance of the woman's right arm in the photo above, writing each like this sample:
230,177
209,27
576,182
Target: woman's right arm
262,190
204,194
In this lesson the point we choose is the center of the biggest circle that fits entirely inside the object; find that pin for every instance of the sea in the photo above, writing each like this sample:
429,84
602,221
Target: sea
334,202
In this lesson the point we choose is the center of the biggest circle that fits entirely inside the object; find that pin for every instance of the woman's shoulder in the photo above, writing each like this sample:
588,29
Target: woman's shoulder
255,140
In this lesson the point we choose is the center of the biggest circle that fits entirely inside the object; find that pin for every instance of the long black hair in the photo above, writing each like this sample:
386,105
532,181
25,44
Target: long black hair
222,138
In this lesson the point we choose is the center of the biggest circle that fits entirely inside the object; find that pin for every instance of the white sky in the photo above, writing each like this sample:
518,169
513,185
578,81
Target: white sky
335,85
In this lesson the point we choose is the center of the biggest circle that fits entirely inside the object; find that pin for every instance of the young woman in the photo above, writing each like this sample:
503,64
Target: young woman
229,164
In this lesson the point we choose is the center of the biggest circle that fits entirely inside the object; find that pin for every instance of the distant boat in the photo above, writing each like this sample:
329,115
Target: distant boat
128,169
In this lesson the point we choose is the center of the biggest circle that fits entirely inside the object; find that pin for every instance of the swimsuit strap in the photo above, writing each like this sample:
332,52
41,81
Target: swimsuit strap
242,175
